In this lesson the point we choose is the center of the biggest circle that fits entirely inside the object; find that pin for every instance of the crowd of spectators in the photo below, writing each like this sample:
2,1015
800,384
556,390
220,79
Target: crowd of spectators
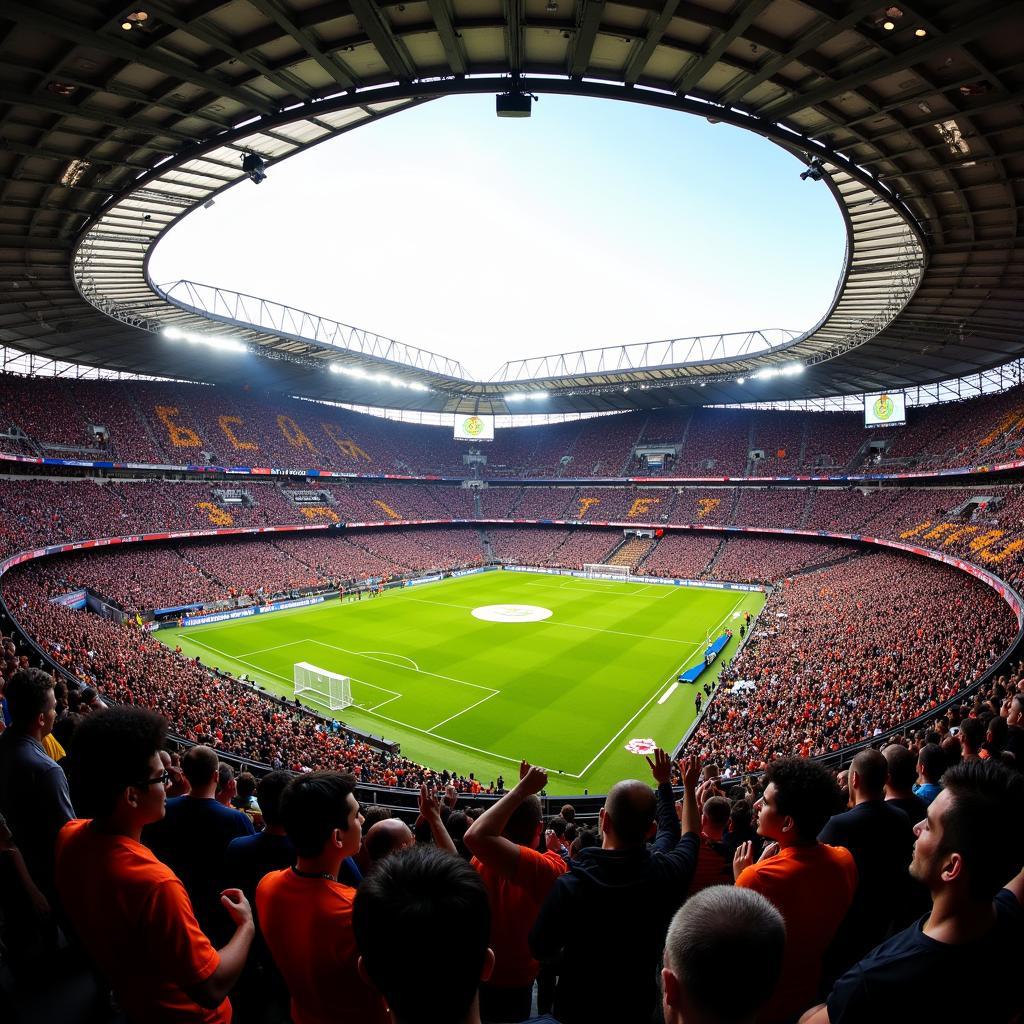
842,898
844,654
149,422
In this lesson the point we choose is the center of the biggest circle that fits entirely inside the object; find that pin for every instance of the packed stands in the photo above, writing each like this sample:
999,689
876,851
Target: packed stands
840,655
768,559
685,556
151,422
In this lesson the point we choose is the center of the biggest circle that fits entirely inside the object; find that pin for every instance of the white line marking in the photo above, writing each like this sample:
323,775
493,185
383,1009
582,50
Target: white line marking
668,693
574,625
646,704
264,650
436,675
387,654
370,711
463,711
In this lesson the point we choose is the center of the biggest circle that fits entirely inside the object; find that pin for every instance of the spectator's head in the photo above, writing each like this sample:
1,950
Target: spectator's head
201,767
972,736
321,816
800,796
1015,715
115,768
31,702
373,814
227,787
902,770
931,763
387,837
568,812
868,773
715,816
972,842
422,922
741,817
269,792
627,818
526,823
952,752
245,787
714,930
996,734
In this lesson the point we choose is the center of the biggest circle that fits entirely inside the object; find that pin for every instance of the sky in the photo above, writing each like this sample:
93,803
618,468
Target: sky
592,223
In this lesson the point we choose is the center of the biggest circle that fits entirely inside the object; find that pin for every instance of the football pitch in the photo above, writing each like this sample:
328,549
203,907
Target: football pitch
570,672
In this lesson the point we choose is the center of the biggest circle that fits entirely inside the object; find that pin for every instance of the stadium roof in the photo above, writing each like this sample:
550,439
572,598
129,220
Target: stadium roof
117,120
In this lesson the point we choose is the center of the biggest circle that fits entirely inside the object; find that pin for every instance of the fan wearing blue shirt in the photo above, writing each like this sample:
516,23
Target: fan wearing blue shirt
969,853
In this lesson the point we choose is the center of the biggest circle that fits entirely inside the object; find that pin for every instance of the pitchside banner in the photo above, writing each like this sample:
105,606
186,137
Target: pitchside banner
885,410
474,428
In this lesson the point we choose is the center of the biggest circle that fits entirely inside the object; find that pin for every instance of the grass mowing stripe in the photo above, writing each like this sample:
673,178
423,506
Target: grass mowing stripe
674,674
552,696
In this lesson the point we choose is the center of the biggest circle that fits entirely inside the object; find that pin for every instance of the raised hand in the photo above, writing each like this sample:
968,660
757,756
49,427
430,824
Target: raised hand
532,780
661,766
689,768
237,906
429,805
742,858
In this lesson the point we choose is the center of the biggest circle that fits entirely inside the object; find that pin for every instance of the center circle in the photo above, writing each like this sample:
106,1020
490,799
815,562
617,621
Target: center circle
511,613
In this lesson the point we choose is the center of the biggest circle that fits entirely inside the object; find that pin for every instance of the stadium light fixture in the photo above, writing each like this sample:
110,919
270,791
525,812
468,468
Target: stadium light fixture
255,167
741,380
814,170
889,25
536,396
221,344
920,32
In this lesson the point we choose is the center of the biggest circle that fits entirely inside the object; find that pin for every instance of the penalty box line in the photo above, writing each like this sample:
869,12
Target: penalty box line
374,712
648,702
241,659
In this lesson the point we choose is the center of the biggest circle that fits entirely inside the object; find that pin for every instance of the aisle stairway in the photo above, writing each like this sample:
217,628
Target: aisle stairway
632,552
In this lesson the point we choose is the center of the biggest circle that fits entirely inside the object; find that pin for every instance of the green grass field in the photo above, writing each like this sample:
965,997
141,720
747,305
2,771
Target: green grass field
568,692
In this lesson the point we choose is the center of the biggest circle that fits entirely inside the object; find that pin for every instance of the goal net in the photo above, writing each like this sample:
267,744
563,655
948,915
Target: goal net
594,569
329,689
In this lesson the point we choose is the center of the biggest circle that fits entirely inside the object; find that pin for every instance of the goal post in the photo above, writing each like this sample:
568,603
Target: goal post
595,569
329,689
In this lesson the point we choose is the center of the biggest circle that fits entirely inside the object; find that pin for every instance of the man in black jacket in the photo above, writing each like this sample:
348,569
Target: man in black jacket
604,922
881,839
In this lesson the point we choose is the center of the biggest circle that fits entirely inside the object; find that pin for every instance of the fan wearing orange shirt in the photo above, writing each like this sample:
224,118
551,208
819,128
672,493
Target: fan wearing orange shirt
306,913
133,914
811,884
518,878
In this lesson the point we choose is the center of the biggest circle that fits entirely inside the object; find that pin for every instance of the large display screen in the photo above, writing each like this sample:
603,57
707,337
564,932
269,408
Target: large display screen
474,428
888,409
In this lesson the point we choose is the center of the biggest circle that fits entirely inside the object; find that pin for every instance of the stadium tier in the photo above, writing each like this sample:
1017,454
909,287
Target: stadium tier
176,424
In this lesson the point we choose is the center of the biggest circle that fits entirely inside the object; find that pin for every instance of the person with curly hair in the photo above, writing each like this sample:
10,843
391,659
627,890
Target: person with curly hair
811,884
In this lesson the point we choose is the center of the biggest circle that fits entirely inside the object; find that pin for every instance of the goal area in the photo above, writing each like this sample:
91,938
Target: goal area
595,569
329,689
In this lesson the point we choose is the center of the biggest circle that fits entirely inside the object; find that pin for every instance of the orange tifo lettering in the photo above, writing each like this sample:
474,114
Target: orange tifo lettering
641,506
986,540
1011,420
181,437
705,506
293,434
993,555
386,509
345,444
225,423
939,530
964,531
585,505
920,528
319,512
217,515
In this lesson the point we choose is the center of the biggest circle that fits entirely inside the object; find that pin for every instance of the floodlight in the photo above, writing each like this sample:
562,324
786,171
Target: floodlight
255,166
814,170
513,104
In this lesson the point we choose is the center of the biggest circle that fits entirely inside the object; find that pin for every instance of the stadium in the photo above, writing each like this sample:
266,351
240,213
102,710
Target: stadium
307,556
